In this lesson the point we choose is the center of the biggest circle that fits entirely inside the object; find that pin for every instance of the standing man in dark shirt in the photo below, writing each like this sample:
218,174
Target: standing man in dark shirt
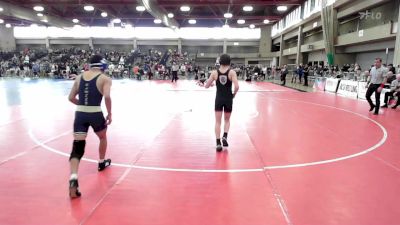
284,73
306,73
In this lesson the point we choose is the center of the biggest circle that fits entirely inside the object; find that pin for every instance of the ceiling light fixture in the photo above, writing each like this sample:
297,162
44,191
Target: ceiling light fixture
170,15
236,43
104,14
75,21
157,21
116,20
247,8
241,21
1,21
88,8
38,8
1,9
140,8
228,15
192,21
45,21
185,8
39,14
282,8
252,26
266,21
8,25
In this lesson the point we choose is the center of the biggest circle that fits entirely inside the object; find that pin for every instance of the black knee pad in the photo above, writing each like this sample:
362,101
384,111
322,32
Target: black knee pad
78,149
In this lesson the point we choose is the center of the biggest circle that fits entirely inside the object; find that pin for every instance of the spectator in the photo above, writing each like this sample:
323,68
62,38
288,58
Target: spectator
306,73
394,91
283,75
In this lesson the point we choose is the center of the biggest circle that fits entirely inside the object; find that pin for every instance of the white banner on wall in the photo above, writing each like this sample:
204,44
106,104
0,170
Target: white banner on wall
348,88
332,84
319,83
362,90
384,91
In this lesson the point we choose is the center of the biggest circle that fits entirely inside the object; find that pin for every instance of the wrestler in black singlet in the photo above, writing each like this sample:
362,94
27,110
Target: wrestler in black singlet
89,95
224,97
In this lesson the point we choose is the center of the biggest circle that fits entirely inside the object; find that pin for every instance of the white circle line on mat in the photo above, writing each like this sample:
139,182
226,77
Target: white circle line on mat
370,149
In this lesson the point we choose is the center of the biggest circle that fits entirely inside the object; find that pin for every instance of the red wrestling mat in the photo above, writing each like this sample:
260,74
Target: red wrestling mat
294,158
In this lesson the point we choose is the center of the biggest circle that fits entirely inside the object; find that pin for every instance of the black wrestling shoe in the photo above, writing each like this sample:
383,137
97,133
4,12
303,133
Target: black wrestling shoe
394,107
106,163
74,189
372,108
224,142
375,113
219,148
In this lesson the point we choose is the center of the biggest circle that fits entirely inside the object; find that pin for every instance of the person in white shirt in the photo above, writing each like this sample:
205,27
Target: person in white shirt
264,71
53,68
122,61
26,60
273,72
111,68
67,69
183,70
175,69
394,91
378,79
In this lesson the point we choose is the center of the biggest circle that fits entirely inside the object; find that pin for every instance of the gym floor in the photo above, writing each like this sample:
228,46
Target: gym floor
294,158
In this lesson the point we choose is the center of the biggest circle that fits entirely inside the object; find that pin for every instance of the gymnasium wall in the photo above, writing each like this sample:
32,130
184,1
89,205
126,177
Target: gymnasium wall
364,54
366,59
162,48
66,46
22,47
291,44
202,49
243,49
7,40
379,15
121,48
313,37
317,56
205,62
240,61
